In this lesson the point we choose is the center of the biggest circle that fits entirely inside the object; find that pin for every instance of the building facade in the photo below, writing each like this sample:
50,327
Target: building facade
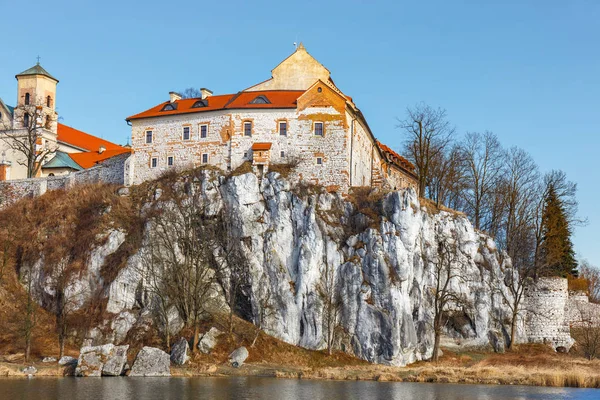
30,130
297,117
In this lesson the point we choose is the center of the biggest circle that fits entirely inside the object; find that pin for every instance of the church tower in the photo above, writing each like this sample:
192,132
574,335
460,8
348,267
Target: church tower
36,90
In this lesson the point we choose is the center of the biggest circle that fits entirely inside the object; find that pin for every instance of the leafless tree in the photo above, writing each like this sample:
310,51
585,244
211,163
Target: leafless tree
265,310
235,277
592,274
190,93
446,177
482,157
447,274
428,134
26,137
29,322
587,332
328,290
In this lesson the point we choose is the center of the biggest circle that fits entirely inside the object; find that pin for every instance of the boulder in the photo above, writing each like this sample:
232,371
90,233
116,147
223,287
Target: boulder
496,341
67,360
151,361
107,360
49,360
209,340
238,356
179,352
115,364
31,370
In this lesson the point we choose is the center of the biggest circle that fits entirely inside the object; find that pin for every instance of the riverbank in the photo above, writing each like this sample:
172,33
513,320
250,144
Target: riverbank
532,365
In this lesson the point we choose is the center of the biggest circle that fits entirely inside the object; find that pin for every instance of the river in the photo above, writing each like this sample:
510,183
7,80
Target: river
124,388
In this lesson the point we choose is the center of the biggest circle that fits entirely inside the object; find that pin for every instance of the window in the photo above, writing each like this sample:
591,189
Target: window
247,128
51,174
26,120
148,137
282,154
26,99
200,103
205,158
260,100
318,128
245,155
48,101
283,128
319,89
169,107
186,133
319,160
153,162
170,161
203,131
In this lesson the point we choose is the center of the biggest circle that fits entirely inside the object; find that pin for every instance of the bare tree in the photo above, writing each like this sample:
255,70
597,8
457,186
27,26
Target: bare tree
190,93
482,157
265,310
328,290
587,332
29,322
428,134
447,273
591,273
26,137
446,177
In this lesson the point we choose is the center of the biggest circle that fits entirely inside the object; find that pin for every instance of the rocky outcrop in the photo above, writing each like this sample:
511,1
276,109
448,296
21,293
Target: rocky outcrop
209,340
67,360
179,352
380,262
151,361
238,356
49,360
107,360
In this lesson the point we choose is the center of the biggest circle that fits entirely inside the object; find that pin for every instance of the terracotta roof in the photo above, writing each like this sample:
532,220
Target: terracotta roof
83,140
396,158
241,100
261,146
88,160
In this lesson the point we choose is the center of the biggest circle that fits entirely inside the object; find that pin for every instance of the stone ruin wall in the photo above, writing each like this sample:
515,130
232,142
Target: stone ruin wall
546,305
581,311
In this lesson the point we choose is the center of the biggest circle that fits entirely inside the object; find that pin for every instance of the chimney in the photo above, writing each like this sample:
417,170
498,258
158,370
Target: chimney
174,96
101,150
205,93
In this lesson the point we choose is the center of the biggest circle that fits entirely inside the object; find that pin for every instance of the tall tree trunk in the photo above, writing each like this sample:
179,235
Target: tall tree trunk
196,334
436,346
513,330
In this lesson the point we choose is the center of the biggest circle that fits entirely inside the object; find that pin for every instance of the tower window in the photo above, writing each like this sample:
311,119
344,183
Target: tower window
205,158
186,133
318,128
247,128
48,101
283,128
26,99
148,137
203,131
26,120
153,162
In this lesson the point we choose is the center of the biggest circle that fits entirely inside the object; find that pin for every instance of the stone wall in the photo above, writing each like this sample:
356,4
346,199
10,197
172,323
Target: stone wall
581,311
546,306
110,171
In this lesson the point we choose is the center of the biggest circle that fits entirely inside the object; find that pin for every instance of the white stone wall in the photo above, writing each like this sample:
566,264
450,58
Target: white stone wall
546,306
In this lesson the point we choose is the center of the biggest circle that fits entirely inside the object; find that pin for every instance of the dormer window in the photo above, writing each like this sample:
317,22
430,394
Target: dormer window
26,99
260,100
169,107
200,103
48,101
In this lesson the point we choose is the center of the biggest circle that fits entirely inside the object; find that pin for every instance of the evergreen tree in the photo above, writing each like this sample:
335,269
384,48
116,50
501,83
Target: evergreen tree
556,249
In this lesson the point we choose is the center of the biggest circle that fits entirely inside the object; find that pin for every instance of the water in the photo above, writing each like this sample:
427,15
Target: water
267,388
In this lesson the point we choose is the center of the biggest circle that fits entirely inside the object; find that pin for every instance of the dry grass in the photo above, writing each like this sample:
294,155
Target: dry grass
432,208
244,168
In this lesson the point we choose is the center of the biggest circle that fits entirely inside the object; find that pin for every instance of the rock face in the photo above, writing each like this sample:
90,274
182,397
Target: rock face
179,352
107,360
209,340
67,360
151,361
49,360
296,241
238,356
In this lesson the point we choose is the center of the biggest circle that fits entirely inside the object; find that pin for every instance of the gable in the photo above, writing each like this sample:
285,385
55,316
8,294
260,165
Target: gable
321,94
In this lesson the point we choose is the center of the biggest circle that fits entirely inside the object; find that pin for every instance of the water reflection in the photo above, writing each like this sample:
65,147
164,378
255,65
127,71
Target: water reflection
267,388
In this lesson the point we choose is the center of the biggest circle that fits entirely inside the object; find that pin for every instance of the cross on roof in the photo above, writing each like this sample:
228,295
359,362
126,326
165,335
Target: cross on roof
38,60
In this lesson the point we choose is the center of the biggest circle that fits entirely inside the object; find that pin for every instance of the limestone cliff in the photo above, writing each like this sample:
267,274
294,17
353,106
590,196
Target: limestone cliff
383,267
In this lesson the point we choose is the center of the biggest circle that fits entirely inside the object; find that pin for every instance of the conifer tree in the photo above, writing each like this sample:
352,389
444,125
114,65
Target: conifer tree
557,248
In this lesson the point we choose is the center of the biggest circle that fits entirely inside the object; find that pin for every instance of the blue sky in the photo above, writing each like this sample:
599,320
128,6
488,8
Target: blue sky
527,70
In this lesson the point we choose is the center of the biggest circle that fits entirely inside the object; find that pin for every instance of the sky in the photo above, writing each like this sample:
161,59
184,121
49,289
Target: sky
529,71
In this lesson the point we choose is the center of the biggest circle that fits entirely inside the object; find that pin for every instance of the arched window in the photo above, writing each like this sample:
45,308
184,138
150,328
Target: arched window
26,99
26,120
48,101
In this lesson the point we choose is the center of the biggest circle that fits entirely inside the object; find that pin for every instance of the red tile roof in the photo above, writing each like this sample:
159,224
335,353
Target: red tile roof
261,146
241,100
90,157
396,158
